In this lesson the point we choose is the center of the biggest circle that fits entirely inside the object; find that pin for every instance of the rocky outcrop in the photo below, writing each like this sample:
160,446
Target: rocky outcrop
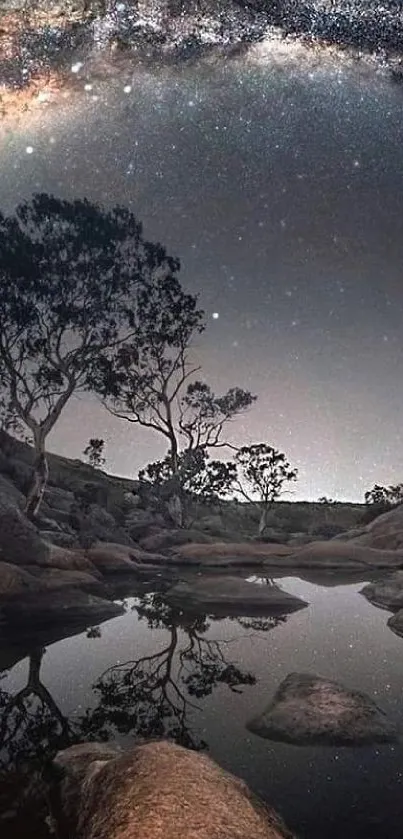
157,790
222,596
309,710
385,532
386,593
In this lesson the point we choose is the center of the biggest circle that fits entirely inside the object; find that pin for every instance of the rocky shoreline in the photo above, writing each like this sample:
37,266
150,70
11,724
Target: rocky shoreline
96,530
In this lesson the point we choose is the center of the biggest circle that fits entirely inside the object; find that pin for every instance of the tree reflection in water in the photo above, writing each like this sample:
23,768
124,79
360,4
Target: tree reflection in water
155,695
152,696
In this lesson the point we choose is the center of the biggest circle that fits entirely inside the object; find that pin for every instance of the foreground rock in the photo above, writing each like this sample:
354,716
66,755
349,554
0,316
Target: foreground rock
232,595
157,790
395,623
229,553
37,610
386,593
309,710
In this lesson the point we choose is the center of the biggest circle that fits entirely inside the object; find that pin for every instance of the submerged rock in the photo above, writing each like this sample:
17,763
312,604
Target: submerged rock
308,710
232,595
387,593
157,789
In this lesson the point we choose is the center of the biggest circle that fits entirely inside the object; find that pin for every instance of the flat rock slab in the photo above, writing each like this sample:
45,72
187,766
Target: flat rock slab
387,593
308,710
396,623
223,596
229,553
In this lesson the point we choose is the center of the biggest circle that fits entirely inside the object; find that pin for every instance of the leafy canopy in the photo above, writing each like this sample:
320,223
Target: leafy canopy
75,283
265,470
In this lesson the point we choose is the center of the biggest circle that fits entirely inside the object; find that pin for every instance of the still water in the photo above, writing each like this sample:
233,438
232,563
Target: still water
153,673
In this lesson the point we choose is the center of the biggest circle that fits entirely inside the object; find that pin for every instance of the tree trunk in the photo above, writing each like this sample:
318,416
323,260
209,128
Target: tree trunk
263,521
40,479
175,505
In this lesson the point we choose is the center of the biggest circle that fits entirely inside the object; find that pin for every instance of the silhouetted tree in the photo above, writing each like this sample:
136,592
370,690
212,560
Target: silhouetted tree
391,495
199,479
73,281
147,382
265,470
94,452
380,500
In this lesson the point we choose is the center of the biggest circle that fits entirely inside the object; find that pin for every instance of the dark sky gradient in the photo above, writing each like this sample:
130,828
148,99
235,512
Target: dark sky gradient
278,180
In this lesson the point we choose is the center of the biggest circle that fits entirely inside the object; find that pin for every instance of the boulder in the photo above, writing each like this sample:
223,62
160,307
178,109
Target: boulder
16,580
14,495
386,593
63,517
156,789
338,554
111,558
396,623
101,525
165,539
223,596
385,532
67,560
61,538
309,710
64,606
58,499
138,522
20,542
230,553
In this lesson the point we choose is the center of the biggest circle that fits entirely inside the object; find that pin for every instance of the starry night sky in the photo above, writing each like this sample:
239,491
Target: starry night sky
278,181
